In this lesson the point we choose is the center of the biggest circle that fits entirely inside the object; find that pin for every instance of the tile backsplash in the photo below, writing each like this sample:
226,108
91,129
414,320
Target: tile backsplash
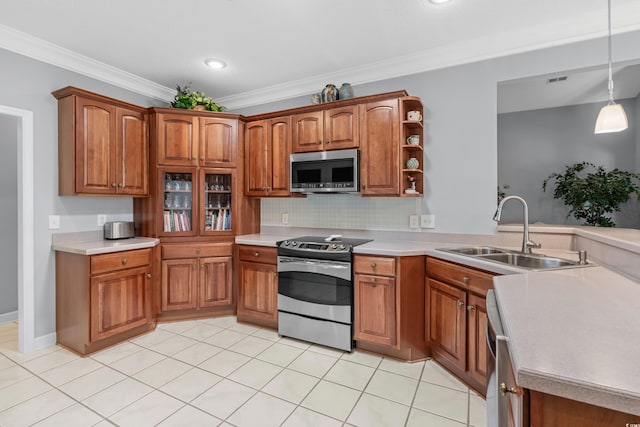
342,211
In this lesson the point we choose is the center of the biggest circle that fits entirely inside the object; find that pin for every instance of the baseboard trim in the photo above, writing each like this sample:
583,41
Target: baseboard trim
45,341
5,318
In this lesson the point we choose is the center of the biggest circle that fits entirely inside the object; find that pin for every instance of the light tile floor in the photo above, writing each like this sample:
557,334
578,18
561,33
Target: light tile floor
221,372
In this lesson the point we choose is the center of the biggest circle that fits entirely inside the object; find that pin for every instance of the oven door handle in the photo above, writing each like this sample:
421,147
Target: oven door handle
341,270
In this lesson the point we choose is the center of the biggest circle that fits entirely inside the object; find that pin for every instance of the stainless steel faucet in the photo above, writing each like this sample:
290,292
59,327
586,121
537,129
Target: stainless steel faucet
527,243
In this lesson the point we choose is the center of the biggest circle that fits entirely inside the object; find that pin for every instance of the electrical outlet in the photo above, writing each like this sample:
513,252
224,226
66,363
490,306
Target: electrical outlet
54,222
284,219
102,219
413,221
428,221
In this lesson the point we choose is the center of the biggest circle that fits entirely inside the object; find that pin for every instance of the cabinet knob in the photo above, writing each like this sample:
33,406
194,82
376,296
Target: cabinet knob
364,187
256,254
466,280
193,267
470,308
124,261
460,303
373,280
113,184
121,185
327,141
149,276
319,141
194,158
373,265
197,250
202,266
202,158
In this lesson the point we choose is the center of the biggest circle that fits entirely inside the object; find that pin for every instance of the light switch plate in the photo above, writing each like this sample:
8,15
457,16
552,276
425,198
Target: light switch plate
428,221
54,222
284,219
413,221
101,220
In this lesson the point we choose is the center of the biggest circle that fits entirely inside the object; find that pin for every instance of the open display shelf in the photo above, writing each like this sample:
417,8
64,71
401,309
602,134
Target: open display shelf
409,151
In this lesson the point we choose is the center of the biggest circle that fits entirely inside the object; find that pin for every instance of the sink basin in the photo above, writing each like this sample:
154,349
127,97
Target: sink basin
514,258
476,250
531,261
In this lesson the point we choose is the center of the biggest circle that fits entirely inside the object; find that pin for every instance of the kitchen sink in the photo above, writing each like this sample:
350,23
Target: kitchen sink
476,250
515,258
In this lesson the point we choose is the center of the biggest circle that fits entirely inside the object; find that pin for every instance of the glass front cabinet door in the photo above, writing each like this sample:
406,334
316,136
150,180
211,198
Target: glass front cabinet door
179,202
217,208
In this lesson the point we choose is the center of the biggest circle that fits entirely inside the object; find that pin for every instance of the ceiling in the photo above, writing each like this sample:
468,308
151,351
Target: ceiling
278,49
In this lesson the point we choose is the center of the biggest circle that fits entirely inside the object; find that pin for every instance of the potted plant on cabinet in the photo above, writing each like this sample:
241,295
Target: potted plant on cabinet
190,100
592,195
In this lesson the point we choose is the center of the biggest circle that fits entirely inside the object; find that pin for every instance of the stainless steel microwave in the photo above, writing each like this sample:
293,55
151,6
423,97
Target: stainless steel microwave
325,172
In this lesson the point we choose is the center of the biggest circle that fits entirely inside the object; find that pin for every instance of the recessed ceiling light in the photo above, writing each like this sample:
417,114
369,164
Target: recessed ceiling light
216,64
439,1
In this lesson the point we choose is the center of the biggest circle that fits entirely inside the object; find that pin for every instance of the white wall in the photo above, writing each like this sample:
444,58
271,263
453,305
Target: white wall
460,131
27,84
534,144
9,222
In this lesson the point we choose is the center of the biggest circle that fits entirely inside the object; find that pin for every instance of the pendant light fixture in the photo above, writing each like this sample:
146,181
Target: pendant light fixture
612,117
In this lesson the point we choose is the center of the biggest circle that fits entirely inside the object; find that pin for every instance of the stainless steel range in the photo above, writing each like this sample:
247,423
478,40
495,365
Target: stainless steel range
315,289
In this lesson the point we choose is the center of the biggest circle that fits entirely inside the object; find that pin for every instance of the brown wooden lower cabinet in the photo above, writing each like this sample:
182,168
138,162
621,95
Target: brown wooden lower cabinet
389,305
258,285
455,319
197,280
546,410
102,299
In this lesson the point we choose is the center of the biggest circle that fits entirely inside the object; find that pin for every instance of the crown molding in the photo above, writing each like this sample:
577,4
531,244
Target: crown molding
42,50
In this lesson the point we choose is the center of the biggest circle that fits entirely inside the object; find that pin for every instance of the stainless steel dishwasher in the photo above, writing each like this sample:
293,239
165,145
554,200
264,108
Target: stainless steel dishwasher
504,397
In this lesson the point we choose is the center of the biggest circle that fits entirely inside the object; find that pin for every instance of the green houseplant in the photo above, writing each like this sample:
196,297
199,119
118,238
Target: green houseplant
189,100
592,195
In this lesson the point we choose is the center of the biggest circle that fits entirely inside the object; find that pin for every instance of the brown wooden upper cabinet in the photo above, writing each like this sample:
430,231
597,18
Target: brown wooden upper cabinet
332,129
267,157
379,151
184,139
103,145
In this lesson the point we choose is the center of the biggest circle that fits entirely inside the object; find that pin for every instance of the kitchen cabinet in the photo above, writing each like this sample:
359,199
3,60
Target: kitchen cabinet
103,146
194,139
379,152
455,319
411,150
102,299
330,129
195,277
389,305
266,166
258,285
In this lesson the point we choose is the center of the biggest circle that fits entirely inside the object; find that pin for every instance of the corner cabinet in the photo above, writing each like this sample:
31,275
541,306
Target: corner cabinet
456,319
102,299
389,305
266,168
103,146
258,285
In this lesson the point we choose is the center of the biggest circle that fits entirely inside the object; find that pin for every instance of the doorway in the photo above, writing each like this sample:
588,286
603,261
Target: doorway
25,249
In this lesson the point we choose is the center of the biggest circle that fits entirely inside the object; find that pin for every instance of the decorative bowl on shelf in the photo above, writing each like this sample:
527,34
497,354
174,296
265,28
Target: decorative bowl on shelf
412,163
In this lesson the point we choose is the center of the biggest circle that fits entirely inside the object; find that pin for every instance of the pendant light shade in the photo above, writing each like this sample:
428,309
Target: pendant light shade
612,117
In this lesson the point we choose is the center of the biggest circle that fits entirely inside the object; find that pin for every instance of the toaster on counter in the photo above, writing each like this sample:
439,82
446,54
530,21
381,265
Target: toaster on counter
119,230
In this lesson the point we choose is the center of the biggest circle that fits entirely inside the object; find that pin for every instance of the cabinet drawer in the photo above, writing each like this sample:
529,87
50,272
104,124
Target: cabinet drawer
383,266
120,260
195,250
258,254
464,277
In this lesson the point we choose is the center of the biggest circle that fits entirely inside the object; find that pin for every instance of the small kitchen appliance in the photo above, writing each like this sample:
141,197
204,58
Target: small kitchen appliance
116,230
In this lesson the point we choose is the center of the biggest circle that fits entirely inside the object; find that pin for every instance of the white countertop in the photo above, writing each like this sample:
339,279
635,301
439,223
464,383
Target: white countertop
91,243
575,333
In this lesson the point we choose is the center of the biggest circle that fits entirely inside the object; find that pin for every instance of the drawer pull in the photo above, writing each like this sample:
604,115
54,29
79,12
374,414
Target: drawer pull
373,265
470,308
466,280
148,275
124,261
256,254
373,280
460,303
197,250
